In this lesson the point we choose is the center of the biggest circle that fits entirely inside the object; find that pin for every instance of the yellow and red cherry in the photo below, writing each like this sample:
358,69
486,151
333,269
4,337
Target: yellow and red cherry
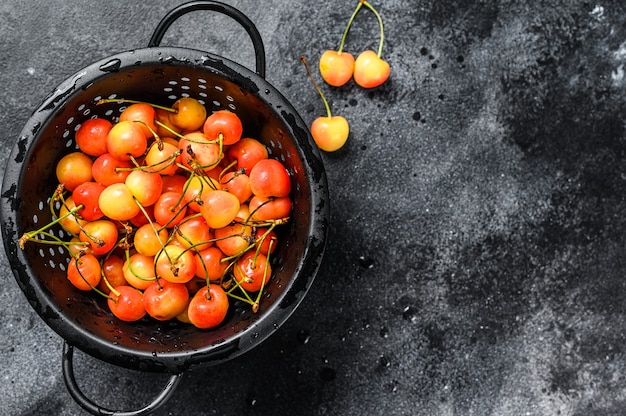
370,70
329,132
336,67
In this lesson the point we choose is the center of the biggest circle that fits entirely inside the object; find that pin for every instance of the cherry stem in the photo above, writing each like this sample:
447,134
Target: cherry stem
31,234
380,24
345,32
319,91
124,100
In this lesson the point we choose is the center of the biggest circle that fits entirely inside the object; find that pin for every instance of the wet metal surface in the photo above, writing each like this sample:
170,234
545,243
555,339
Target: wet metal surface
476,256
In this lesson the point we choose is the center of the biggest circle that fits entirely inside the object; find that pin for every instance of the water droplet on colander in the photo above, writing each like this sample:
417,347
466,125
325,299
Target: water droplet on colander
154,353
267,91
111,66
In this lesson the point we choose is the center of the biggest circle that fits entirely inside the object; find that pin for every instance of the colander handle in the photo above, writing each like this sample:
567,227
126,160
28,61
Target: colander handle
242,19
94,409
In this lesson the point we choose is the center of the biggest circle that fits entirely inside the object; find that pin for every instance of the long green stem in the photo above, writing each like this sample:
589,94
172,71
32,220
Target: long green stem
380,24
345,32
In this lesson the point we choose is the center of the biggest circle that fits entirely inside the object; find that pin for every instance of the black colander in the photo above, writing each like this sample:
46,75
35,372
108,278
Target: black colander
160,75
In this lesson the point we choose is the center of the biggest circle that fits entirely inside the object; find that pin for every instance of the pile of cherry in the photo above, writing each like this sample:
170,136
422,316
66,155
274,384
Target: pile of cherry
169,212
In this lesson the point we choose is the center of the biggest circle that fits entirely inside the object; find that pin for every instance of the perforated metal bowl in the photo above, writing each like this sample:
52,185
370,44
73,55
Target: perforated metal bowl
160,75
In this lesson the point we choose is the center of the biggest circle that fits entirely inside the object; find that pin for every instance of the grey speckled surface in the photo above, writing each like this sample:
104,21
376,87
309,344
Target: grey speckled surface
476,256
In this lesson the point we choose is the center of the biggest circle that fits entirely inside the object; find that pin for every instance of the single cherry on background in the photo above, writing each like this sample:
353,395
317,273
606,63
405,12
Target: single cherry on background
370,70
330,133
336,67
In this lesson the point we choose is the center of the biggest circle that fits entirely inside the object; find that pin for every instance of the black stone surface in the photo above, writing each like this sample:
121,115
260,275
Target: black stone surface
475,264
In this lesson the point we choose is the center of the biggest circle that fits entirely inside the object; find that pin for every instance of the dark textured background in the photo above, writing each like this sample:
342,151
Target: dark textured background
475,264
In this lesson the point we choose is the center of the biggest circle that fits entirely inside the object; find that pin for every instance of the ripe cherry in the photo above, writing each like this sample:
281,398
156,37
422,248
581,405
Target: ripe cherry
146,187
269,208
252,271
149,239
247,152
112,274
88,194
223,123
143,115
175,264
199,152
190,114
117,202
238,184
101,235
169,209
91,136
84,272
108,170
70,222
209,264
370,70
219,208
126,140
330,133
208,307
139,271
234,239
162,156
126,303
336,67
164,300
74,169
269,178
193,232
